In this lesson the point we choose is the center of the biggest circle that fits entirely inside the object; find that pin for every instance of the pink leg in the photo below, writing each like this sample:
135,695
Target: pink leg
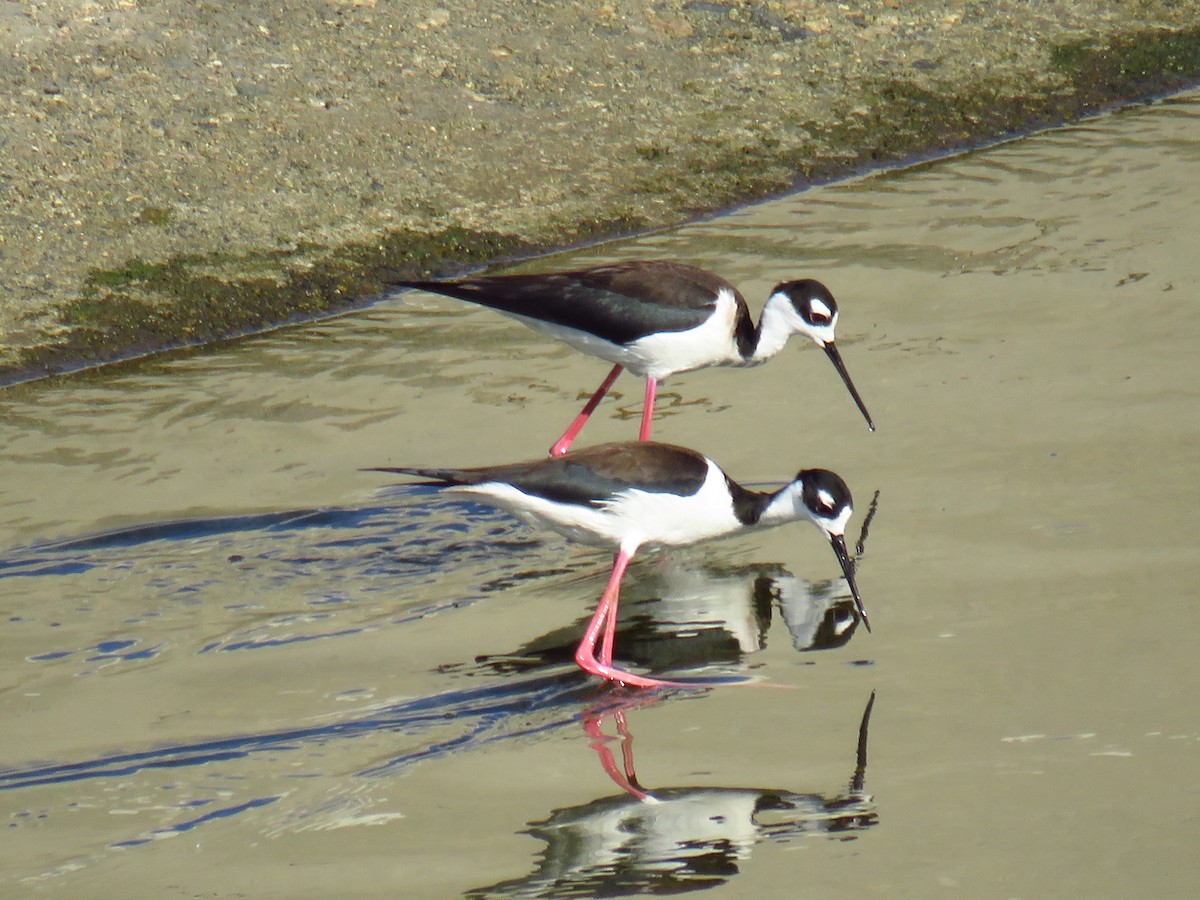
606,609
605,612
610,635
563,444
648,409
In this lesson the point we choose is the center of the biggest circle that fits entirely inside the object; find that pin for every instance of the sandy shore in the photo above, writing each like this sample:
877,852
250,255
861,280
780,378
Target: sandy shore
177,171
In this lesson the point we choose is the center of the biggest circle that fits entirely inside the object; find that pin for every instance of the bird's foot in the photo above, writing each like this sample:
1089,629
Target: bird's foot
593,666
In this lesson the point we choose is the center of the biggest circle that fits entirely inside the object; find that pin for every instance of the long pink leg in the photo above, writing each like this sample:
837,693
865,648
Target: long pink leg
563,444
610,635
648,409
610,629
606,610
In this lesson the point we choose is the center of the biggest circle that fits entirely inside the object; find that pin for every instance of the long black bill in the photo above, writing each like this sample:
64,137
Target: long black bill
839,547
836,358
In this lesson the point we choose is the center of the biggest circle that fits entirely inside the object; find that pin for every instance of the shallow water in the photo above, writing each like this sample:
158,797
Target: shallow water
233,662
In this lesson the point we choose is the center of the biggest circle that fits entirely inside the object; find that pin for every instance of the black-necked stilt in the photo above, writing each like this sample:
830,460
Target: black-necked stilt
655,318
628,495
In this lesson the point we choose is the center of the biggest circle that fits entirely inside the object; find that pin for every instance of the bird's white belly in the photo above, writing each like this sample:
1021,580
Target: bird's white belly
584,524
584,342
671,352
631,519
662,354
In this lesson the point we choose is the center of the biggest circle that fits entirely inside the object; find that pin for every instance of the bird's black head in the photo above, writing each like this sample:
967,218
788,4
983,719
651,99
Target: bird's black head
826,498
813,303
828,504
814,314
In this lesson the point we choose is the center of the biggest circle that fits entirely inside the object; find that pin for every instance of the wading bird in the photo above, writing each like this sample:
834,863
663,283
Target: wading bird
625,496
655,318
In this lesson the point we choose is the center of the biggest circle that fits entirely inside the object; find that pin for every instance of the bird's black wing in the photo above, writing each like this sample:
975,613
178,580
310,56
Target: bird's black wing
586,477
619,303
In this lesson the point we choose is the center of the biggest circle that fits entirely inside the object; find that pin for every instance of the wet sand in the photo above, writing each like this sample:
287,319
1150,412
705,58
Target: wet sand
177,173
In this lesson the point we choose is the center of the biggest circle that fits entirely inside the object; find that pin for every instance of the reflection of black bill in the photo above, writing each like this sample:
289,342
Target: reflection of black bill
839,547
831,351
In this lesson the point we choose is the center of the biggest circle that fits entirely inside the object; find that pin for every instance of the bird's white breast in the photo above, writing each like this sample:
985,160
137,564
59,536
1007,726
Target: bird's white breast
708,344
670,520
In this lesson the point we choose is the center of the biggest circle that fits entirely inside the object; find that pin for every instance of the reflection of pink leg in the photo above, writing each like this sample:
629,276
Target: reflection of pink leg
606,609
626,747
648,409
563,444
626,781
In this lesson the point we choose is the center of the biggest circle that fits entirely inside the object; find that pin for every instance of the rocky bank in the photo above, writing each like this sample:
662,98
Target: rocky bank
176,171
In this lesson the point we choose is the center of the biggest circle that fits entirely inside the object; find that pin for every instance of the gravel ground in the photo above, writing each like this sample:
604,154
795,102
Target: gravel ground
180,170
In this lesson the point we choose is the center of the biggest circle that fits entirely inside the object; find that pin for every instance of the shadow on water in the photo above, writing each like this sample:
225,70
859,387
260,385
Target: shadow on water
403,531
332,559
682,616
481,716
676,615
674,839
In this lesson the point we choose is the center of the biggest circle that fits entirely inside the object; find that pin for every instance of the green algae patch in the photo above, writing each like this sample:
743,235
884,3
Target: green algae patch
190,300
899,120
1135,65
153,215
142,306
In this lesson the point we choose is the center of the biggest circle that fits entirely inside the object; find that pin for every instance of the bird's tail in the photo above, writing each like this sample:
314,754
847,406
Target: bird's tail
445,288
432,476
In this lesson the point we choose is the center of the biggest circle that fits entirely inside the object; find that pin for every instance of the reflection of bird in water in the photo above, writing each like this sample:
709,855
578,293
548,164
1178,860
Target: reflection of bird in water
680,614
671,840
732,608
628,495
655,318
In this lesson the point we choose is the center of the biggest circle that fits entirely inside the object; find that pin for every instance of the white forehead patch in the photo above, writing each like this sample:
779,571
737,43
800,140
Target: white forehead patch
820,309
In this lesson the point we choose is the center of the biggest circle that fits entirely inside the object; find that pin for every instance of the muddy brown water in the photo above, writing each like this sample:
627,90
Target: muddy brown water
233,663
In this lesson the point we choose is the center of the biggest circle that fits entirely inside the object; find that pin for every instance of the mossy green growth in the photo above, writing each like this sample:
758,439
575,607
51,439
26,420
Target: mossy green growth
144,306
1133,65
153,215
134,270
187,300
903,119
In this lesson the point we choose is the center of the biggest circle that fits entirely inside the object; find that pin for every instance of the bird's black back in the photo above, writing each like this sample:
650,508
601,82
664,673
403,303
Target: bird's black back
620,303
587,477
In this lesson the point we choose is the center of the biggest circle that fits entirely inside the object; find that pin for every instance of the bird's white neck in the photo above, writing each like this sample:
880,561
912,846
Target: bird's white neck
784,506
778,322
